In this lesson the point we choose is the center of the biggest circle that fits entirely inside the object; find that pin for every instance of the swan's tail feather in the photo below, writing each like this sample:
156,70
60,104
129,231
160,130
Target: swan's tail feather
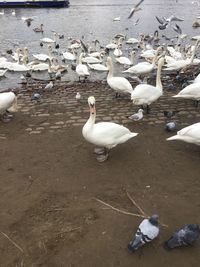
134,134
175,137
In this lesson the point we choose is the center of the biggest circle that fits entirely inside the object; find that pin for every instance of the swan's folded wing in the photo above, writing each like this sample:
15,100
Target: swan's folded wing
192,130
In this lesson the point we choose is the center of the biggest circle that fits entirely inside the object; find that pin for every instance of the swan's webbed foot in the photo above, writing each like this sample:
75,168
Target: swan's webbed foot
99,150
101,154
102,158
6,117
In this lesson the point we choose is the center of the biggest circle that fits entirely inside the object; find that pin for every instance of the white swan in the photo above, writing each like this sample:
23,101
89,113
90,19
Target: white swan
191,91
91,60
38,67
104,134
119,84
39,29
49,40
189,134
44,57
179,64
81,69
69,56
117,52
132,41
8,102
98,67
125,60
145,94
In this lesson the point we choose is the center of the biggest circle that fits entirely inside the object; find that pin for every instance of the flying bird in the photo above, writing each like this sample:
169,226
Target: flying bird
135,8
146,232
183,237
177,29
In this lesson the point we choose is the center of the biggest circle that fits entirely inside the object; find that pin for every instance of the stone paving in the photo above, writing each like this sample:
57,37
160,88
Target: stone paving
59,109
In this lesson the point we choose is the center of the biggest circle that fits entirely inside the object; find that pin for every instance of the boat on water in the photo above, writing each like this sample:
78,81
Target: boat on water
34,3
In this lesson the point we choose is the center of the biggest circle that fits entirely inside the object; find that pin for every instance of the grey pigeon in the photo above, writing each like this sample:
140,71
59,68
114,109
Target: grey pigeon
170,127
36,97
169,113
146,232
137,116
183,237
135,8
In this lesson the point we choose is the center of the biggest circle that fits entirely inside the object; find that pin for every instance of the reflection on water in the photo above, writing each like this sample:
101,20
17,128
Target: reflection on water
91,19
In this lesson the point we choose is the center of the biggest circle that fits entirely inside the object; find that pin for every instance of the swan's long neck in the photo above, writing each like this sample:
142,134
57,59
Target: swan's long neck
80,58
91,121
110,70
132,58
194,51
158,78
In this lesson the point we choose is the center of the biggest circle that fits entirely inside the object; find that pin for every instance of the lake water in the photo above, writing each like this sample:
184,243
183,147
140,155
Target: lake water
91,20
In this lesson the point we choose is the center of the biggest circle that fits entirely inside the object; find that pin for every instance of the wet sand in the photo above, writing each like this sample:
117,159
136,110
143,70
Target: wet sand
50,179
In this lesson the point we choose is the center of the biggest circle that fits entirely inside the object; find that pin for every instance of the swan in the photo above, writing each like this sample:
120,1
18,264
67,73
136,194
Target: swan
189,134
17,55
38,67
126,61
91,60
132,41
143,67
69,56
115,45
117,52
179,64
2,12
98,67
44,57
104,134
13,12
119,84
39,29
191,91
8,102
81,69
17,66
49,40
197,79
145,94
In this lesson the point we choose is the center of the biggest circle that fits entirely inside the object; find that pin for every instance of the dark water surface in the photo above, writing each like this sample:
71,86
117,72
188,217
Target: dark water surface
92,19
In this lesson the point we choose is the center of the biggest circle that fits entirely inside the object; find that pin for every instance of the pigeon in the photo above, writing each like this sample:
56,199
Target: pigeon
49,86
135,8
147,231
170,126
169,113
137,116
36,97
78,96
183,237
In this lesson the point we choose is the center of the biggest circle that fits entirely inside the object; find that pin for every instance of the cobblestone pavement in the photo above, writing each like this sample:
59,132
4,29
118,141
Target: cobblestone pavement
59,109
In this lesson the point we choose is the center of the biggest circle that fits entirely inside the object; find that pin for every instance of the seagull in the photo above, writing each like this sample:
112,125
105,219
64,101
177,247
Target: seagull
49,86
78,96
137,116
147,231
165,22
135,8
183,237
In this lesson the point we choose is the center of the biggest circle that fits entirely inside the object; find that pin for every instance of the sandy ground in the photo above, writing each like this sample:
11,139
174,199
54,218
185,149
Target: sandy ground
49,182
